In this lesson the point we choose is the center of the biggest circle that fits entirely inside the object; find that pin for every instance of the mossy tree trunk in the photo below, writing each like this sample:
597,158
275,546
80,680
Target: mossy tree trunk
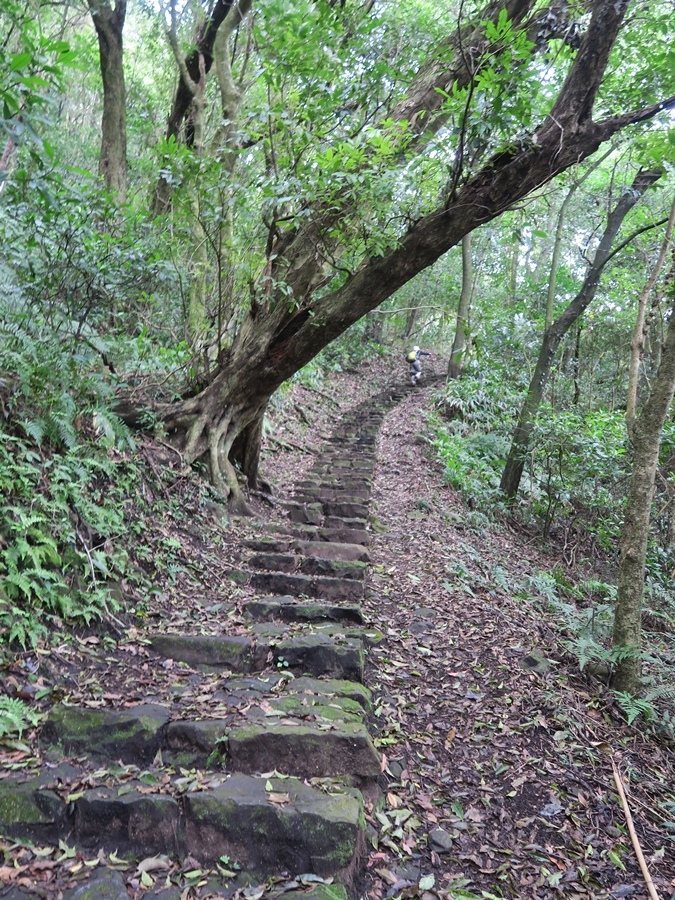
522,436
196,65
647,431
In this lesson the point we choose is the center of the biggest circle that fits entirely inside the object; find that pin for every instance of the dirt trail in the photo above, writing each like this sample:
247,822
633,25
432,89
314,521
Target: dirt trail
499,768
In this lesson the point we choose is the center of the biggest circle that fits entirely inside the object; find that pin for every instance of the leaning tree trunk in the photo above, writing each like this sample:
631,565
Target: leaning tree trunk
277,338
459,344
647,433
515,463
109,25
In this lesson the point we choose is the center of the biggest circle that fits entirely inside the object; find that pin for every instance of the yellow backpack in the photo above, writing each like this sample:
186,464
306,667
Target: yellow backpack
412,356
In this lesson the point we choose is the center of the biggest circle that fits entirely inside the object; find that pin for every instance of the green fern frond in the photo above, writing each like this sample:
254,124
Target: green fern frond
34,428
661,692
15,717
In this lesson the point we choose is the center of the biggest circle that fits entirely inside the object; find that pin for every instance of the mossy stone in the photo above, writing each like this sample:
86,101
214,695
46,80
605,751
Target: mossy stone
332,687
132,735
320,654
24,805
309,832
304,749
227,651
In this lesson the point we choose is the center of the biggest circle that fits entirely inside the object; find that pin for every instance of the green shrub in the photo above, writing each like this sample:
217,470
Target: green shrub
61,500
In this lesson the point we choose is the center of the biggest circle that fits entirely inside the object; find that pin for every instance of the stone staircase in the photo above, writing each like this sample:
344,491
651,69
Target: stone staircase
273,786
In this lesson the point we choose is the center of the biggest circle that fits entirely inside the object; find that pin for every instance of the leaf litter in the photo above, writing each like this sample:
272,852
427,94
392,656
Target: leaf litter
499,777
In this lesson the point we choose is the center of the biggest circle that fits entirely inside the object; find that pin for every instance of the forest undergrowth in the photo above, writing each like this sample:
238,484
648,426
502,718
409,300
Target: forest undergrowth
497,749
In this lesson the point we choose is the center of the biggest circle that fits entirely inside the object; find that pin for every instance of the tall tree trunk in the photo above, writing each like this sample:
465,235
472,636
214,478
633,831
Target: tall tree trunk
459,344
515,463
576,362
109,25
637,343
647,432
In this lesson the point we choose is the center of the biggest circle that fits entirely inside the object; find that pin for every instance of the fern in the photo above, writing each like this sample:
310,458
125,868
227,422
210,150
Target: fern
15,717
661,692
633,707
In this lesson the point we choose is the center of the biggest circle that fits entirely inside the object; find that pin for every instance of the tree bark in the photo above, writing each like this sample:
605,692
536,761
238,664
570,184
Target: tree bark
459,344
109,25
637,343
276,338
627,633
410,321
515,463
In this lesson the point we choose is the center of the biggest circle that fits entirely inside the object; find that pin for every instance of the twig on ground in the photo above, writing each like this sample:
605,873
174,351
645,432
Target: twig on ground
633,836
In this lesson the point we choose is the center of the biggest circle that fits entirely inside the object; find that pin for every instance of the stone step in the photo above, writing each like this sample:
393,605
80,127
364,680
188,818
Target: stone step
310,565
297,585
250,691
299,732
324,482
323,652
292,828
304,749
289,609
304,513
334,535
323,494
345,552
275,562
268,825
272,633
338,492
344,535
337,568
235,652
345,509
133,734
344,522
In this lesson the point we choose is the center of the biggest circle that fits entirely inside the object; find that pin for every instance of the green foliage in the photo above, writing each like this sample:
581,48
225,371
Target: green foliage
15,717
577,462
59,451
635,706
471,402
59,517
470,434
83,266
31,73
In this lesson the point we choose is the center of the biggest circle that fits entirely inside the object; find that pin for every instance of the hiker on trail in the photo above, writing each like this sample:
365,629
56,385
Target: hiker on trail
415,365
